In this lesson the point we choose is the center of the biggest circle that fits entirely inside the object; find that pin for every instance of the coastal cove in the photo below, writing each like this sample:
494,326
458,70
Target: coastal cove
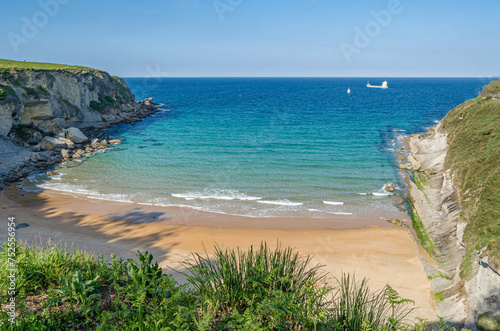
241,161
265,147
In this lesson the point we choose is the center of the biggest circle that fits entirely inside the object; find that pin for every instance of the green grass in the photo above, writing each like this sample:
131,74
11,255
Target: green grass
59,288
442,275
103,103
420,181
474,156
492,88
5,91
8,64
425,240
485,322
438,296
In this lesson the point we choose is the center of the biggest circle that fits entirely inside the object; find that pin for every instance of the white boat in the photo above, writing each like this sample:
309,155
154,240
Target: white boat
348,90
384,85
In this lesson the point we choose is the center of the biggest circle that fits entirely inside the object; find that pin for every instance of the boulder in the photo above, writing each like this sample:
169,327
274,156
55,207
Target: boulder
52,173
50,143
389,187
114,141
95,143
65,154
104,142
78,153
76,136
89,149
68,142
399,201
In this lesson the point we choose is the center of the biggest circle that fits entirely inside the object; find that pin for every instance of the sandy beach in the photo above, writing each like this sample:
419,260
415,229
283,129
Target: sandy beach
370,248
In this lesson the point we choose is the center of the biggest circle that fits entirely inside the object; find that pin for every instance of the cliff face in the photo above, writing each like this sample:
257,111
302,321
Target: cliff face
453,186
57,99
37,104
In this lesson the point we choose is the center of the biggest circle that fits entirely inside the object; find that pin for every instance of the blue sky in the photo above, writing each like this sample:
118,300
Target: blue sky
293,38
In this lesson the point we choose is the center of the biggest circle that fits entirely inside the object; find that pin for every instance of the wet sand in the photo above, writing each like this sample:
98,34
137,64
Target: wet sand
370,248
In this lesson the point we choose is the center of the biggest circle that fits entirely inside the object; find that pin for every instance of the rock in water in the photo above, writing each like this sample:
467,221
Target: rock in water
65,154
114,141
76,136
95,143
389,187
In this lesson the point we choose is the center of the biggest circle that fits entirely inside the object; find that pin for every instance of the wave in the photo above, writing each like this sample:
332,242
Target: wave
281,203
338,213
216,195
381,194
68,188
112,197
335,203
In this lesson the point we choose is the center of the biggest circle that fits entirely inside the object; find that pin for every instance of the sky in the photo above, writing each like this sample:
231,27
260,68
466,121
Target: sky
258,38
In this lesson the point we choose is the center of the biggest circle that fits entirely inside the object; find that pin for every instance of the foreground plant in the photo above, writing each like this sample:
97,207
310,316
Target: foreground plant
256,289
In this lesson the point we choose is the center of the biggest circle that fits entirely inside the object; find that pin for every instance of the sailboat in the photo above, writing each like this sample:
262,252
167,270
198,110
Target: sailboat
348,90
384,85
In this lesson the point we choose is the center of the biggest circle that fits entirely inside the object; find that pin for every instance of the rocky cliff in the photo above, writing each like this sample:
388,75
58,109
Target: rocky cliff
39,105
452,174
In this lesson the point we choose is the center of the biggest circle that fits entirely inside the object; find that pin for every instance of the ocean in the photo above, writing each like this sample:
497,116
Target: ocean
264,147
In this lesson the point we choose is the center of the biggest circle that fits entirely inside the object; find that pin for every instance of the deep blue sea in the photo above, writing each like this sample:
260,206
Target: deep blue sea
266,146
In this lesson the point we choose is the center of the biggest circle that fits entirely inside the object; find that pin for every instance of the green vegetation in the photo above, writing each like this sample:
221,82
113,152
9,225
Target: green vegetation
259,289
474,156
485,322
5,91
492,88
20,132
420,180
438,296
37,92
122,87
70,105
425,240
103,103
8,64
442,275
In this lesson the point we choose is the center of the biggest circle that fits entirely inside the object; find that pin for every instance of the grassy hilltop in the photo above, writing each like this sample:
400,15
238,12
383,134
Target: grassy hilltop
20,65
474,157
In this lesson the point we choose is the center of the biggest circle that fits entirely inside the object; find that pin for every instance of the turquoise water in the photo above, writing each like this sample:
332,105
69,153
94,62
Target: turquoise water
265,147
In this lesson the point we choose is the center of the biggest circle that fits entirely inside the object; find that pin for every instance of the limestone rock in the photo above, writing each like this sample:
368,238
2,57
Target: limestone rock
51,143
95,144
114,141
6,111
104,142
76,136
78,153
389,187
52,173
68,142
65,154
89,149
